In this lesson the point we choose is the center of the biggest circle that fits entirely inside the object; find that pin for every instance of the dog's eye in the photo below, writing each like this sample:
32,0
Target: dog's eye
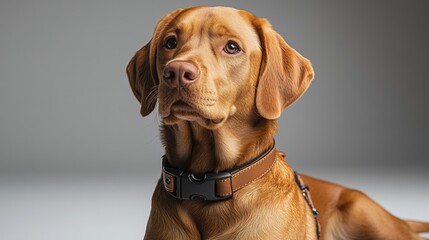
231,47
171,43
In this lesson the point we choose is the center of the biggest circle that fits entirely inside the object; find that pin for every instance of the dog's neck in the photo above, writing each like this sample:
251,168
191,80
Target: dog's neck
194,148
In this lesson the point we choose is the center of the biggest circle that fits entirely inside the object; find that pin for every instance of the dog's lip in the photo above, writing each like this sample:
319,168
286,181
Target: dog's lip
182,106
185,108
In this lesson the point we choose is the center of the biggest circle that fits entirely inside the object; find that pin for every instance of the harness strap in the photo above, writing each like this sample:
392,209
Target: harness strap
306,193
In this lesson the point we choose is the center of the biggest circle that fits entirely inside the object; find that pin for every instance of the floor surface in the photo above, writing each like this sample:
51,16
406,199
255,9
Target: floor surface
70,205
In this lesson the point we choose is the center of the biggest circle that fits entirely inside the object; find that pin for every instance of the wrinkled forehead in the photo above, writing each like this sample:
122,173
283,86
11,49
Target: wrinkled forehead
215,22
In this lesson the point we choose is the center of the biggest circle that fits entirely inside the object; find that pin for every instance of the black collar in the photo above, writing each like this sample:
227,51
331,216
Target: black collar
215,186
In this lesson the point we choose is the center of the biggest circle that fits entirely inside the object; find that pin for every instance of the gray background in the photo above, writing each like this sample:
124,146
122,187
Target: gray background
77,161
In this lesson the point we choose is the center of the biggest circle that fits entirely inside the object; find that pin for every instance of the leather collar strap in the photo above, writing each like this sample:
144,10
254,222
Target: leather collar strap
215,186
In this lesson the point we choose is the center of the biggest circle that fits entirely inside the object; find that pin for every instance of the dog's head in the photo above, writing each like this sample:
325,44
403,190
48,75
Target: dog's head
206,64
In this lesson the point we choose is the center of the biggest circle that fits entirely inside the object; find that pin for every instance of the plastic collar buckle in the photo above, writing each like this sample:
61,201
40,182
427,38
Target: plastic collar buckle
190,187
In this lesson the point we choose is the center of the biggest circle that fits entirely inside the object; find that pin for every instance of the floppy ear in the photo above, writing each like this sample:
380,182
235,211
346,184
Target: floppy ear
284,75
141,80
141,69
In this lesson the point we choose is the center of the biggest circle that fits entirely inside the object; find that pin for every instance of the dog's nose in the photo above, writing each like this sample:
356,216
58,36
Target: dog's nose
180,73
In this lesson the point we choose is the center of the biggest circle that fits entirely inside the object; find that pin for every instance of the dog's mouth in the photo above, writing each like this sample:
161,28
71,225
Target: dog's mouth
181,110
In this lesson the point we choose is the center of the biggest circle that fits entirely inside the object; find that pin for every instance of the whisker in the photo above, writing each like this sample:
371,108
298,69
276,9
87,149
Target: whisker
152,96
153,90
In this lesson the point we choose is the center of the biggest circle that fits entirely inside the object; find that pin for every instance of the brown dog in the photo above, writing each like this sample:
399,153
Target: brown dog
222,77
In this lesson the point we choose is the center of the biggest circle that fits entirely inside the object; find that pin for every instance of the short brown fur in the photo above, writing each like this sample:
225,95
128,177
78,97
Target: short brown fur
229,116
